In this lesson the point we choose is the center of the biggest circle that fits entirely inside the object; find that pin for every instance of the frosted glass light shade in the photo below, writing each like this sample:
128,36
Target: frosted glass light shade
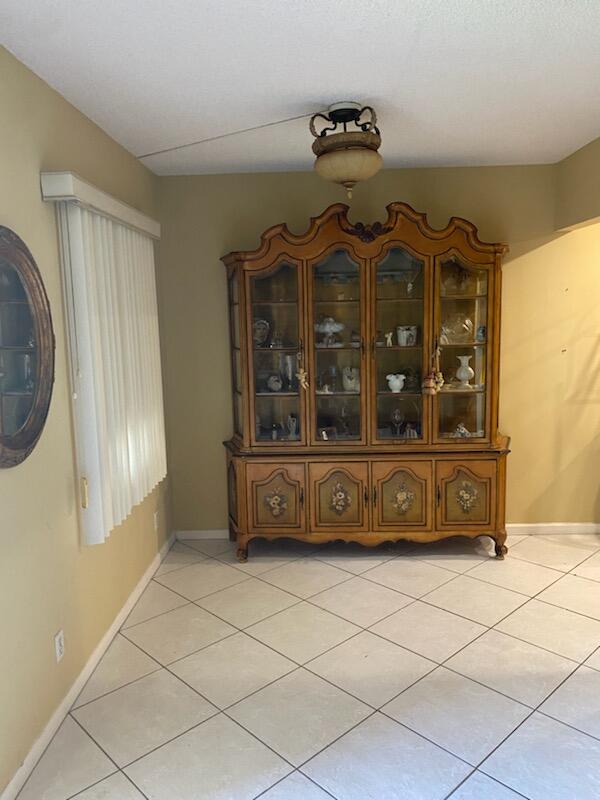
348,166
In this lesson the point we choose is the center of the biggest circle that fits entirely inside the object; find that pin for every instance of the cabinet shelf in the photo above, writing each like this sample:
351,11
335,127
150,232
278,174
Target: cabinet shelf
276,394
276,349
463,344
336,302
25,348
384,393
318,393
399,299
383,347
474,390
322,349
275,303
462,296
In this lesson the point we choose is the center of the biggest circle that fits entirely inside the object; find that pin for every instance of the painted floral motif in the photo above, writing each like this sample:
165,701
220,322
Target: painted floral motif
276,502
403,499
466,496
340,498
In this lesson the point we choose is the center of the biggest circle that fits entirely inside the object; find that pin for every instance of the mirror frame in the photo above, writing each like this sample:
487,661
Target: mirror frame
15,448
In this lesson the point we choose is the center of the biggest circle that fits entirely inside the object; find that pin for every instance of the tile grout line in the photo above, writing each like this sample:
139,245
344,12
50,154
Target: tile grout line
91,785
308,778
362,629
534,710
443,664
300,600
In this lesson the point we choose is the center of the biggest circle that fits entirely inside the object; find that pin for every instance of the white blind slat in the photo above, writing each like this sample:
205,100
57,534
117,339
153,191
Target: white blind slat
110,293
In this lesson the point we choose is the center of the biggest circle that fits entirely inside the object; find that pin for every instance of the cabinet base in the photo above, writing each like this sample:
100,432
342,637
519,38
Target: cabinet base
370,540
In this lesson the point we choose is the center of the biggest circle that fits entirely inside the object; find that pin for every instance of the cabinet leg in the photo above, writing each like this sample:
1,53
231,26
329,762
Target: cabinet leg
500,548
242,549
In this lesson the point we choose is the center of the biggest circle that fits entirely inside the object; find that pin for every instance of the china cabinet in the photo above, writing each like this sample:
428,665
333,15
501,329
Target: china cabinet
26,351
365,364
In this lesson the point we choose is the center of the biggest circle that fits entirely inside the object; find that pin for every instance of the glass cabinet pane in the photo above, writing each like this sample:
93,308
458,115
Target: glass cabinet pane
338,348
399,321
275,346
18,352
463,343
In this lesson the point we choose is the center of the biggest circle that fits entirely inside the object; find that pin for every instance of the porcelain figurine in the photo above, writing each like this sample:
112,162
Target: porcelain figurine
351,379
329,328
388,339
397,418
260,332
465,372
395,382
290,365
291,424
410,432
462,431
274,382
406,335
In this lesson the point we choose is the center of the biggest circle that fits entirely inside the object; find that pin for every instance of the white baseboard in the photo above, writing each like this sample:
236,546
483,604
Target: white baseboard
549,528
219,533
36,752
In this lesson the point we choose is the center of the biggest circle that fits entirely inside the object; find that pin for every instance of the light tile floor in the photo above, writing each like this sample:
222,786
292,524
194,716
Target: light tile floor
400,673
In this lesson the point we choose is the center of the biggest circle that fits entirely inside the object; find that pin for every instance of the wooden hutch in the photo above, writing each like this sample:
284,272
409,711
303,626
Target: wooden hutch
339,341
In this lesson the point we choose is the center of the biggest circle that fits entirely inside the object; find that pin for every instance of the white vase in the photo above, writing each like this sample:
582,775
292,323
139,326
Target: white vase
396,382
465,372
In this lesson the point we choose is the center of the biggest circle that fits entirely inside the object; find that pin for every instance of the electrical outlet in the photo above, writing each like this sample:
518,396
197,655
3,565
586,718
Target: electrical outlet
156,520
59,645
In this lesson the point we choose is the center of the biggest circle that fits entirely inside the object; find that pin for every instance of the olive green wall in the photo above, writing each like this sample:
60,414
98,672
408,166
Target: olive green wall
48,580
551,319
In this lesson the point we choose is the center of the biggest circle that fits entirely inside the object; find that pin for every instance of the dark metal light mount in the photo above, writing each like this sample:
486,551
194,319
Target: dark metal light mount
341,115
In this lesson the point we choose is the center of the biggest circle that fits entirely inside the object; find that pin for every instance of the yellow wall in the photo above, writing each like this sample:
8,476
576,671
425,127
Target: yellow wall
48,580
549,398
578,187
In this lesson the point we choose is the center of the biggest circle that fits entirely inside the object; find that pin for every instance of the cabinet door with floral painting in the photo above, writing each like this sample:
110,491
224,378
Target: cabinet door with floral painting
402,493
276,498
339,496
464,338
466,494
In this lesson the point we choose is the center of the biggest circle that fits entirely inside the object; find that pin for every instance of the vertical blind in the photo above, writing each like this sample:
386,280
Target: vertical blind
110,295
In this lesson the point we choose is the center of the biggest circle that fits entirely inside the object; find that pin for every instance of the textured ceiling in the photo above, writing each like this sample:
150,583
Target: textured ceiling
454,82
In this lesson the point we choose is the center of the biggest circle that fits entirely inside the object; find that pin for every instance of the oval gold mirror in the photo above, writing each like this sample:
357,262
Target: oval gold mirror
26,351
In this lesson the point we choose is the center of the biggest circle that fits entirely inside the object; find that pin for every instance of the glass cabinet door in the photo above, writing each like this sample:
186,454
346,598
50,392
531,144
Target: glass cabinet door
18,352
399,347
461,407
276,355
337,373
236,360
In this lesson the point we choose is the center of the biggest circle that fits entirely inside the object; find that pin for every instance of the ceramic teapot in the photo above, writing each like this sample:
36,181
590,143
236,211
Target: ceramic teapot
351,379
395,382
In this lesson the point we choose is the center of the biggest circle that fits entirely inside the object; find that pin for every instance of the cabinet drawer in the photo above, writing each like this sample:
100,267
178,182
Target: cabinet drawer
276,498
466,494
339,494
402,495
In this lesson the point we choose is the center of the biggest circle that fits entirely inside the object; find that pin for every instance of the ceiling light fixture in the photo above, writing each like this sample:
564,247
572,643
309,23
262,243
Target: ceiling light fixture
347,156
